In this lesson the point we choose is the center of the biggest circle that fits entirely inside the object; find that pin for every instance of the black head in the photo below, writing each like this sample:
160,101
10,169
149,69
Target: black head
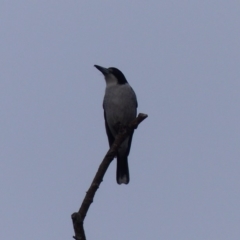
118,74
112,75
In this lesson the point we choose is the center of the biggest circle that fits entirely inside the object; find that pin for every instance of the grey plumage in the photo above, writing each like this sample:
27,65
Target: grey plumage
120,107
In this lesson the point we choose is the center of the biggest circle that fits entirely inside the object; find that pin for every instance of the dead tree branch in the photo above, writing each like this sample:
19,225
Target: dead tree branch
78,217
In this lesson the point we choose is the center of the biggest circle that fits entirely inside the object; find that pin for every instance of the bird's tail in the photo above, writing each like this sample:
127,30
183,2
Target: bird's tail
122,170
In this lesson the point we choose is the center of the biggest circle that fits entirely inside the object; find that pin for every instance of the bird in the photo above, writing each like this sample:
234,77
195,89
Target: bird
120,108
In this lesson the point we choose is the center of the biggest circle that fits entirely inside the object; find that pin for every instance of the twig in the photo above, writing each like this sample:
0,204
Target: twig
78,217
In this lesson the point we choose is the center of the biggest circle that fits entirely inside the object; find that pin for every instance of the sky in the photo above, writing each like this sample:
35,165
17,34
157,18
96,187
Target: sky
182,60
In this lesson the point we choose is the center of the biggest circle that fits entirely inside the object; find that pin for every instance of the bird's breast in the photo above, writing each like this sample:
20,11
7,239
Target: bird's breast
119,104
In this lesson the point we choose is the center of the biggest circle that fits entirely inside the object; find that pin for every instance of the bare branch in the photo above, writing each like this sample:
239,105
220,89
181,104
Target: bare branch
78,217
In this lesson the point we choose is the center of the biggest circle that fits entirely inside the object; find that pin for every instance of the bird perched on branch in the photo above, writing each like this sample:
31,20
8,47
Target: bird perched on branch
120,108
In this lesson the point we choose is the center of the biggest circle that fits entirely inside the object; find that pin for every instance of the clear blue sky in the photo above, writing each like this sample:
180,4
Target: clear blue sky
182,59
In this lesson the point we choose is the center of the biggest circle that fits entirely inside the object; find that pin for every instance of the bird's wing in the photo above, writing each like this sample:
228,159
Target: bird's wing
109,134
129,142
135,98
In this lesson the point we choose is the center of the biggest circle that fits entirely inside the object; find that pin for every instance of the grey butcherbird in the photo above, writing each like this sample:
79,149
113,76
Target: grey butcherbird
120,108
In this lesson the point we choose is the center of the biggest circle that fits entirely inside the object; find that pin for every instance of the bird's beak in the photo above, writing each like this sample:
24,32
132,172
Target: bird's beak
103,70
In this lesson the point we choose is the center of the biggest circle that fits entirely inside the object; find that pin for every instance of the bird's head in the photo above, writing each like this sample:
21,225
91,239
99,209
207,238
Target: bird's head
112,75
